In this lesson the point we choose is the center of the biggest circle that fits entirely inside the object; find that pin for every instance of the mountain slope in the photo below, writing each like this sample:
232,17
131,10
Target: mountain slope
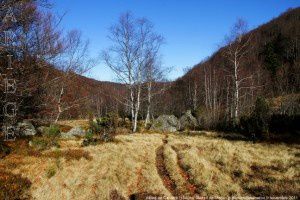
273,63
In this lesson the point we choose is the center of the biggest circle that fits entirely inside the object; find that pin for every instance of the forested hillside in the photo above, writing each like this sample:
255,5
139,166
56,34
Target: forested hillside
268,65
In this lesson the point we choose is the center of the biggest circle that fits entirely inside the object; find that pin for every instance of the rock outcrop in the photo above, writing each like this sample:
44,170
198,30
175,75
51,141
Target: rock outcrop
74,132
26,128
165,123
187,121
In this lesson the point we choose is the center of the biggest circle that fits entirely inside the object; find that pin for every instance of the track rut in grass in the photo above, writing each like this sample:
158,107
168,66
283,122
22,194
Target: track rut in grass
162,171
194,189
169,183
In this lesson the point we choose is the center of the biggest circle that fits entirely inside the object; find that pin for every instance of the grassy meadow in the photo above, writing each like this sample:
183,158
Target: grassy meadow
142,165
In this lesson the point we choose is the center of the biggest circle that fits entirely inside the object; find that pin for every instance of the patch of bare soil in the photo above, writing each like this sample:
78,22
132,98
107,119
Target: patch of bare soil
163,172
115,195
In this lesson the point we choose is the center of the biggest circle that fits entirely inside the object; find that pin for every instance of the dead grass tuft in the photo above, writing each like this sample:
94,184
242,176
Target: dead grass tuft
70,154
13,186
64,128
51,171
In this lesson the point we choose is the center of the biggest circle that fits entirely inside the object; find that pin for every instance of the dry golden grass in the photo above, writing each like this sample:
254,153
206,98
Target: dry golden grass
223,167
70,154
84,123
215,166
127,166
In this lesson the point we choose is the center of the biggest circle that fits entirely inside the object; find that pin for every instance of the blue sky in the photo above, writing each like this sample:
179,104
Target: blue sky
193,29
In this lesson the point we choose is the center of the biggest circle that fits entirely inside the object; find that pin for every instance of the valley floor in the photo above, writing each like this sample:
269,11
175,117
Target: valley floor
139,165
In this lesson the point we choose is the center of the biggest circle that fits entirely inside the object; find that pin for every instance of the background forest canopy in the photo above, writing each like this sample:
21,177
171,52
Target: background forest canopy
251,84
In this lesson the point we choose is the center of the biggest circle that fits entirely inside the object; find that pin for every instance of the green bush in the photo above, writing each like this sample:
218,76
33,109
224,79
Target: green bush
103,121
95,128
110,120
48,140
53,131
103,130
89,135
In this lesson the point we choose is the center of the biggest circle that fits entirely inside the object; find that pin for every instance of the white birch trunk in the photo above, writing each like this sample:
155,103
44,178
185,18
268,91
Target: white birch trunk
236,89
147,120
59,108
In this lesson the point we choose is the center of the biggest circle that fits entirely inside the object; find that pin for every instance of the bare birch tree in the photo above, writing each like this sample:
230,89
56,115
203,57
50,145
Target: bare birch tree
238,47
154,73
132,40
73,61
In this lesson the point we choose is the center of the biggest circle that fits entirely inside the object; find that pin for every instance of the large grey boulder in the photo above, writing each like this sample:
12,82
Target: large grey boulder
74,132
165,123
26,128
187,121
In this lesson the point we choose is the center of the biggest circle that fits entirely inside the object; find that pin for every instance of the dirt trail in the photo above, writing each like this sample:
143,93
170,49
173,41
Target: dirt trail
169,183
163,172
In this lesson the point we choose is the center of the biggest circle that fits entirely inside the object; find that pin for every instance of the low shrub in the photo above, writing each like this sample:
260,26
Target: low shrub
103,130
90,138
261,123
43,143
94,127
48,140
254,127
90,141
89,135
52,131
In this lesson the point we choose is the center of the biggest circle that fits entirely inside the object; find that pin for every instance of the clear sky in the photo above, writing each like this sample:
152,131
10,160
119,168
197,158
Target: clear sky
193,29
